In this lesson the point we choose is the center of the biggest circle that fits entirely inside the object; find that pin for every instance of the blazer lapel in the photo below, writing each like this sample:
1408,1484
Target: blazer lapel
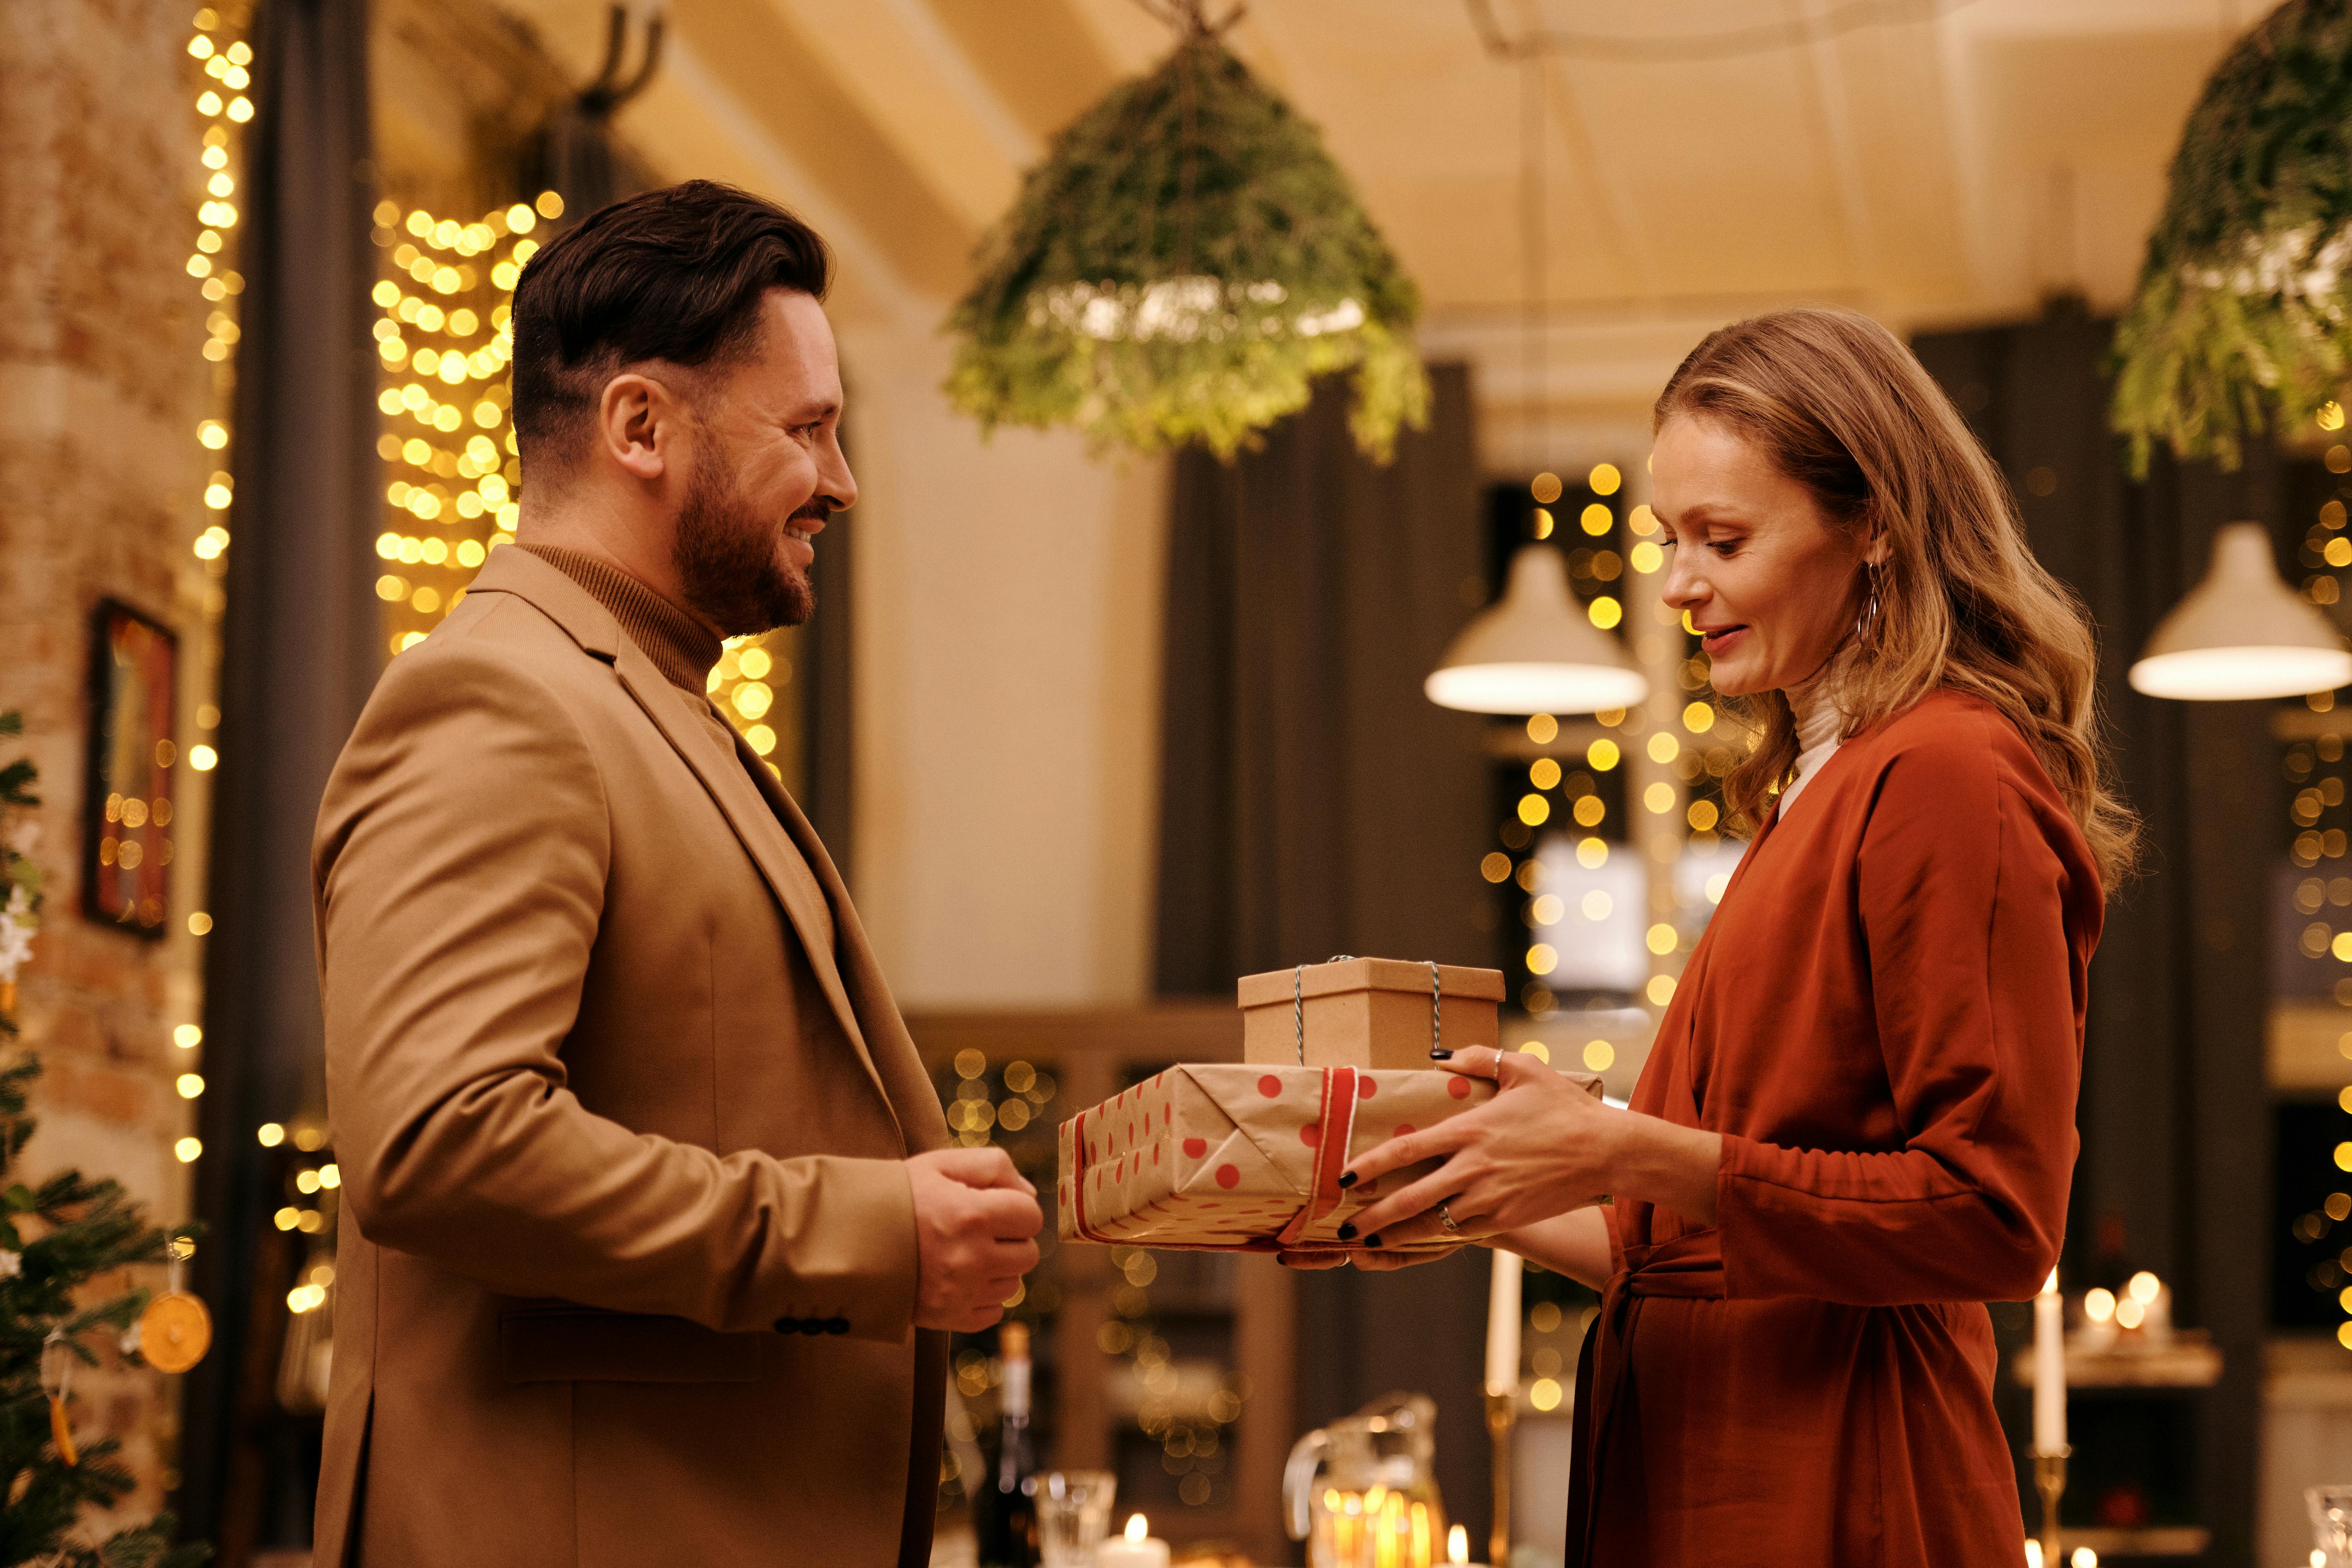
755,828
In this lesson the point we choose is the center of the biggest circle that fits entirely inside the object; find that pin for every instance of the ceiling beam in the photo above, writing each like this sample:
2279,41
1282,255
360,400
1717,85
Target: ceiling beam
921,92
1833,109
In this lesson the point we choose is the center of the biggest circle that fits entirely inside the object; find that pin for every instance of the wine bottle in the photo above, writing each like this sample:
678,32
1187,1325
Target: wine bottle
1008,1511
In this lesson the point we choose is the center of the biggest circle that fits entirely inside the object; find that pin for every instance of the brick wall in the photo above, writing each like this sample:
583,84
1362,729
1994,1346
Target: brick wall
101,370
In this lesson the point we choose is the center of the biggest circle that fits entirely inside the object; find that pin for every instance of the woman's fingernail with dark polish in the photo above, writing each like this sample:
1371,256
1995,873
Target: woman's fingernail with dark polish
1347,1179
1346,1233
1371,1241
1441,1056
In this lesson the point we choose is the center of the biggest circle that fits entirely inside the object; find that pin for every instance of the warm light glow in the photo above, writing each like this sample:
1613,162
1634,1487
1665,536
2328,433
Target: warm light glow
1534,688
202,758
1601,755
1457,1546
1599,1056
1544,1394
1660,990
271,1134
1537,1049
2099,1305
1136,1531
1661,939
1604,479
2085,1558
2129,1314
2144,1287
186,1149
2237,674
1542,729
190,1085
187,1035
1592,853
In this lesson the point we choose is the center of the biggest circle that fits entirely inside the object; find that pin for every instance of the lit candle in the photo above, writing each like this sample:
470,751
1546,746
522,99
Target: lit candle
2049,1369
1503,1325
1140,1549
1457,1546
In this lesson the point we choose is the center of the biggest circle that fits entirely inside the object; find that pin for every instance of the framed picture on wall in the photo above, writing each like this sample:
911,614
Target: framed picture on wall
127,839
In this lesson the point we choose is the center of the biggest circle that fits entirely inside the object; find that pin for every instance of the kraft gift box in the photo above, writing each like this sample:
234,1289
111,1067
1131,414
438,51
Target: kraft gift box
1247,1157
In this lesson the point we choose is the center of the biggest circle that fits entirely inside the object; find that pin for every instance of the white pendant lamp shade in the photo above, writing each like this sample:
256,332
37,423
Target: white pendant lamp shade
1534,651
2243,633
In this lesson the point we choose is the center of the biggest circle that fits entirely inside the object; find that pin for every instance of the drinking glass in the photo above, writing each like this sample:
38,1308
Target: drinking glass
2331,1522
1074,1515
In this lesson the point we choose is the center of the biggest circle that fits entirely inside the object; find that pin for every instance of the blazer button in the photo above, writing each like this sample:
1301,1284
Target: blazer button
788,1325
836,1325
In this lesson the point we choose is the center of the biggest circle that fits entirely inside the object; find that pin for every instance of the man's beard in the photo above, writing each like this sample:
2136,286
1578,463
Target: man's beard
729,558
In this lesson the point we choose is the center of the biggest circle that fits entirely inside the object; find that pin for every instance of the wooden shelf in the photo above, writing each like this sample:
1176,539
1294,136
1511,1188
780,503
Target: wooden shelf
2189,1361
1203,1031
2150,1541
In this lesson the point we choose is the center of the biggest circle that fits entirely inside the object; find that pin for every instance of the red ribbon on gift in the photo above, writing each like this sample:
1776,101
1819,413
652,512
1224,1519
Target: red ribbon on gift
1336,1127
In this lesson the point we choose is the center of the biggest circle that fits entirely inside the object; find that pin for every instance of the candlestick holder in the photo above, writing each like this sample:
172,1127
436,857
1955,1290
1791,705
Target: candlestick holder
1502,1414
2050,1481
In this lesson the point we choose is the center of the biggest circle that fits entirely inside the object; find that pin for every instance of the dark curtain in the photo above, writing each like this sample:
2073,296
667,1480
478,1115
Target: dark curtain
825,646
2175,1116
1314,802
299,652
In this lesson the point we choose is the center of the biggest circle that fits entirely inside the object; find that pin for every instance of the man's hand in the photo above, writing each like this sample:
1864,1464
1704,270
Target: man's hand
975,1219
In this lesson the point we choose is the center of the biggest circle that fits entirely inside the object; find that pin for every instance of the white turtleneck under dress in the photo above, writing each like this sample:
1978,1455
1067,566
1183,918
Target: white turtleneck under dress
1819,722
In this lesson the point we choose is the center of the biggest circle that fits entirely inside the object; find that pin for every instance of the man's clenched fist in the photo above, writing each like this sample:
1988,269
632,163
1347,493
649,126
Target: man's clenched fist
975,1221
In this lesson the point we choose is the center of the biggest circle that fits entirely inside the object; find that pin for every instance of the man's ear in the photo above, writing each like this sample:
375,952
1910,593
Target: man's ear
632,419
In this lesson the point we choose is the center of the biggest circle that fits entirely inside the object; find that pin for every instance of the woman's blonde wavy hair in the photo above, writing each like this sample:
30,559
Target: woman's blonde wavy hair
1840,407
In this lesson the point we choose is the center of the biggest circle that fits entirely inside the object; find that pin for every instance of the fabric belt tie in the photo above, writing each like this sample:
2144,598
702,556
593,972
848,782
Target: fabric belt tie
1686,1268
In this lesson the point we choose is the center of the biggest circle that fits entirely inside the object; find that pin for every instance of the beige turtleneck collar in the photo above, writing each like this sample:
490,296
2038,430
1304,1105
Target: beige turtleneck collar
1820,723
681,647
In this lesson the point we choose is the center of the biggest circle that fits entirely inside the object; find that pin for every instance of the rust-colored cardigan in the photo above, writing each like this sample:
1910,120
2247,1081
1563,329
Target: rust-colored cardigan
1884,1021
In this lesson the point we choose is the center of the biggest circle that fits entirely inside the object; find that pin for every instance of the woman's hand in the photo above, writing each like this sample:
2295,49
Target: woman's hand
1541,1147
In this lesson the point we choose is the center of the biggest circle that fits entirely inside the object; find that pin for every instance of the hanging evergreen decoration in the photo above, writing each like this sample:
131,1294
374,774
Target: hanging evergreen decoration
2243,315
1183,264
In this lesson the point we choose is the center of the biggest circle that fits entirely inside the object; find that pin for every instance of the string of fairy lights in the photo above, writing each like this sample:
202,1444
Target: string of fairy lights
1690,750
223,62
2313,766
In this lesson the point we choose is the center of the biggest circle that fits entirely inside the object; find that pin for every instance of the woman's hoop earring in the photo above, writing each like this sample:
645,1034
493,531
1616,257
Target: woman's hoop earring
1866,625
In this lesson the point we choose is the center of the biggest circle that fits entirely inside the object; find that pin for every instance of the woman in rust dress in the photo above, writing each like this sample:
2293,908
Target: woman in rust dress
1857,1125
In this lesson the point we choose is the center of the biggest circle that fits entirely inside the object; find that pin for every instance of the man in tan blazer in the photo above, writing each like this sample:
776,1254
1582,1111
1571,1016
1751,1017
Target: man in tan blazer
651,1233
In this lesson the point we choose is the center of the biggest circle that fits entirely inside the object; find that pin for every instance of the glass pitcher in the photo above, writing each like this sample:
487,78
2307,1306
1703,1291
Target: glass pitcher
1362,1492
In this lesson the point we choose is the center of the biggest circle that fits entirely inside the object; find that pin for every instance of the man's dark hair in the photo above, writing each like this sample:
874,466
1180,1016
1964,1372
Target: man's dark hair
675,275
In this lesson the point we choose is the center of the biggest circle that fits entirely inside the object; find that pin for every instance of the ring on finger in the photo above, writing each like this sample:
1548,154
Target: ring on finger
1446,1218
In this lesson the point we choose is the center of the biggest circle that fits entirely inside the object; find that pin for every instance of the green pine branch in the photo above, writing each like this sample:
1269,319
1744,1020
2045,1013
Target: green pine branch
64,1234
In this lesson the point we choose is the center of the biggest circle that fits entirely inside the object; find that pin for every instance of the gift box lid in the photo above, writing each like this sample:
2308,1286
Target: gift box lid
1370,974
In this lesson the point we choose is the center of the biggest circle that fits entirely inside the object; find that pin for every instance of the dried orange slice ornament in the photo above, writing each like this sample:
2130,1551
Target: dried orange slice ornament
175,1330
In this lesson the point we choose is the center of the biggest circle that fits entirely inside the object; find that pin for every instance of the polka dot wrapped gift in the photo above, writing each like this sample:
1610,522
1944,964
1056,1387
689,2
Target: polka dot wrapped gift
1247,1157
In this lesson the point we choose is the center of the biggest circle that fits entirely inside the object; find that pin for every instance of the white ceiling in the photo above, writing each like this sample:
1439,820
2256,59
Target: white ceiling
1955,167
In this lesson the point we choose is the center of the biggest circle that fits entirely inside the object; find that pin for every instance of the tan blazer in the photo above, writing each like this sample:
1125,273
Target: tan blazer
627,1262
